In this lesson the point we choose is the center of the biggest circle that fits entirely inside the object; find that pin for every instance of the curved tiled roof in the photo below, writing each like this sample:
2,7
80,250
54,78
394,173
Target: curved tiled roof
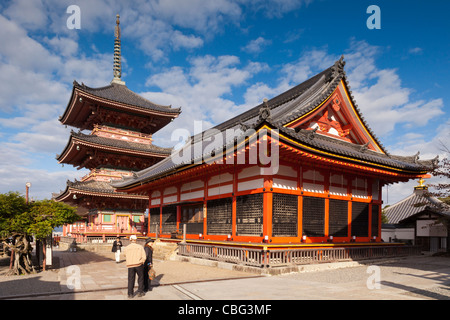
411,205
120,143
94,187
120,93
281,110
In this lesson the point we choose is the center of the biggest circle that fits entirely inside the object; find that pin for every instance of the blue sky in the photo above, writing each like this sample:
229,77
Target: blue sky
215,59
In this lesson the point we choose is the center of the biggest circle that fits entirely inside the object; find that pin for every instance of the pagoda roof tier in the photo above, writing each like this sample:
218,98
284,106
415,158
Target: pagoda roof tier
90,151
115,104
317,120
99,194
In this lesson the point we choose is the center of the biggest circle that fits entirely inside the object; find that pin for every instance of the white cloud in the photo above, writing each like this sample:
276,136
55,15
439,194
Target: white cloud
415,50
379,93
43,182
66,47
257,45
204,91
36,79
21,50
202,16
21,86
29,14
153,24
275,8
180,40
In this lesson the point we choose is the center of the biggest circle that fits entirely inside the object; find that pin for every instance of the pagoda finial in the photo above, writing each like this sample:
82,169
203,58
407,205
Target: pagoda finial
117,68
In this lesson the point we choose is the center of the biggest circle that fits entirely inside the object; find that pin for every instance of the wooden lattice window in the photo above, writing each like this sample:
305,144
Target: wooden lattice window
313,217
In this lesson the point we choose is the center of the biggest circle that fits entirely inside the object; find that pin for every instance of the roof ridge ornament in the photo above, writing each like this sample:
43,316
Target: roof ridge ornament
244,127
338,67
435,161
416,157
310,134
364,147
264,111
117,67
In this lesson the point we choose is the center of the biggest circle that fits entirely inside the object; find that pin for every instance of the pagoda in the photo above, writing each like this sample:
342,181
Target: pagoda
301,169
121,125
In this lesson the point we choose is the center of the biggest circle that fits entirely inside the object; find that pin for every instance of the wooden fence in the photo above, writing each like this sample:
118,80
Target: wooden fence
286,257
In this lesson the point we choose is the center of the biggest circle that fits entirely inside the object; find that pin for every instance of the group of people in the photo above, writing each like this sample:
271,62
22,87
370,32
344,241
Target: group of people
139,260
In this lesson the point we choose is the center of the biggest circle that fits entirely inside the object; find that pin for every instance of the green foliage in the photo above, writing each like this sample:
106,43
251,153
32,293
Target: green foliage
12,206
38,218
49,214
442,171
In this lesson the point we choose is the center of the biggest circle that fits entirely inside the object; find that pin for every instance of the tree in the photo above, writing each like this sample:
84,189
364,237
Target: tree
19,220
442,189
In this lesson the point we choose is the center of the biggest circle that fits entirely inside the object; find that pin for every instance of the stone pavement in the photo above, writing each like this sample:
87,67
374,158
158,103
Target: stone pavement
99,277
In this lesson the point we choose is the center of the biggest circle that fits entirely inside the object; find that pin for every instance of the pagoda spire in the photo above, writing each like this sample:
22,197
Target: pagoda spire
117,68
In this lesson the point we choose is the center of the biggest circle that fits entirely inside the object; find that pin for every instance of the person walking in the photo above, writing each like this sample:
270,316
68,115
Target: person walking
148,264
135,258
117,248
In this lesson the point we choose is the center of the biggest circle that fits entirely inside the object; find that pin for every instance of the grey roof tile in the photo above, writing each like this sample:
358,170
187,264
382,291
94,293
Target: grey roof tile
121,93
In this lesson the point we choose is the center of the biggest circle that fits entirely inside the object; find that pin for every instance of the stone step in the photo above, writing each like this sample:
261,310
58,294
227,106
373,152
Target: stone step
163,250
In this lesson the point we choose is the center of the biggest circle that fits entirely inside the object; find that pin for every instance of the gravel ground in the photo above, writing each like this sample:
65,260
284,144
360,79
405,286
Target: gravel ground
422,277
410,275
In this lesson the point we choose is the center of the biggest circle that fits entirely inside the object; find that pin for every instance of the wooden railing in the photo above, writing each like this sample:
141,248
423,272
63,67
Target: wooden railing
286,257
88,240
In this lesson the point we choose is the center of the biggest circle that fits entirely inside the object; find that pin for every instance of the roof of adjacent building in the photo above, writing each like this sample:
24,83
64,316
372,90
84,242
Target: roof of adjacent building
420,201
417,202
277,113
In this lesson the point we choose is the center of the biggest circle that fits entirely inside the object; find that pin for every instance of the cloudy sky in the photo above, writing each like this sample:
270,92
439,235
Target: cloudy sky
215,59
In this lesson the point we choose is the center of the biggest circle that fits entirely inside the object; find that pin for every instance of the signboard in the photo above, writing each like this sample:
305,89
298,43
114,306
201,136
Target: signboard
430,228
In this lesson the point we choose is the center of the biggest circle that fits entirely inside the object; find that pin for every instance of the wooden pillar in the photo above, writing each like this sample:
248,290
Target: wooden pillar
300,202
267,207
205,209
149,216
349,192
326,180
300,217
233,212
327,217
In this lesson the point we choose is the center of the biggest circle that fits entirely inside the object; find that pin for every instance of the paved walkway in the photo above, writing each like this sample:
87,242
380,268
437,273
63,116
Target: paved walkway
99,277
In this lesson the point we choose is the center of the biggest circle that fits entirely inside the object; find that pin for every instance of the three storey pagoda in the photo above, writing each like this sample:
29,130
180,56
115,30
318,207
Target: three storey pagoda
121,125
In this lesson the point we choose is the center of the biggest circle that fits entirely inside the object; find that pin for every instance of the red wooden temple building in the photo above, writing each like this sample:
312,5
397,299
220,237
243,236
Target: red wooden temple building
121,125
303,167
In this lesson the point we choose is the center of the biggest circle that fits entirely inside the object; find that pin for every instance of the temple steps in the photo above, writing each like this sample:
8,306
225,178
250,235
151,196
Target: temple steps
164,250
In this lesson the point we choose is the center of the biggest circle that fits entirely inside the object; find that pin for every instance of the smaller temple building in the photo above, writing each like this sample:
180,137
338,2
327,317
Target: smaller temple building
420,219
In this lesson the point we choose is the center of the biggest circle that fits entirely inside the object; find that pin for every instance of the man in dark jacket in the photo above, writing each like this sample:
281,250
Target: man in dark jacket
116,248
148,264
